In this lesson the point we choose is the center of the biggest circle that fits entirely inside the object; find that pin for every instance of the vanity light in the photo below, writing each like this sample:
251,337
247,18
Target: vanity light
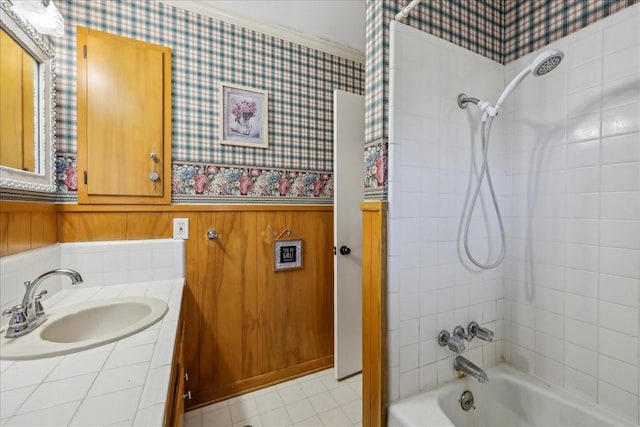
42,14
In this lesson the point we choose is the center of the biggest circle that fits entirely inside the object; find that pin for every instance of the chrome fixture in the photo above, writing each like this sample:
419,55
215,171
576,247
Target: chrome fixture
212,234
541,65
466,400
467,367
463,100
478,331
28,315
454,342
459,332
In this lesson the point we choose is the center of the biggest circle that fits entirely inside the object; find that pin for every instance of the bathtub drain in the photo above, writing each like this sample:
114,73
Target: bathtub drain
466,400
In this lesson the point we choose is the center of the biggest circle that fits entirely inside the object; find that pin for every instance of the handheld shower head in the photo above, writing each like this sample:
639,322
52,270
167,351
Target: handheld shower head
543,64
546,62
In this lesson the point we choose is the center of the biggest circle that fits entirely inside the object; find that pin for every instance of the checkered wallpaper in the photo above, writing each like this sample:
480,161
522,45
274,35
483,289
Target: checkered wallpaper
529,25
299,80
502,30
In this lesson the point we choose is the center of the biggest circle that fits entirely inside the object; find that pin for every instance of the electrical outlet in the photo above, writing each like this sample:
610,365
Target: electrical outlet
181,228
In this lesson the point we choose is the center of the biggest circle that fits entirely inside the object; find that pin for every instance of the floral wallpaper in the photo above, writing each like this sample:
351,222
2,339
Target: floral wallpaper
375,166
211,180
66,173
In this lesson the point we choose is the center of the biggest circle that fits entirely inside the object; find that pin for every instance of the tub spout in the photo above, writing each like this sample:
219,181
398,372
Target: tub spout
465,366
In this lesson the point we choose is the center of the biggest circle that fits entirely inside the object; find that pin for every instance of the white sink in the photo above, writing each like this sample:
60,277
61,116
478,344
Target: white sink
82,326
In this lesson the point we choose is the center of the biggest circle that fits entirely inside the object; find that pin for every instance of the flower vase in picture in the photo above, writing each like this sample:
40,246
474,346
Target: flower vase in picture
243,113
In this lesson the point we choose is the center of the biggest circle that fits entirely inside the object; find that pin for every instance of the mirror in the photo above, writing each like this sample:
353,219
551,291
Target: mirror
27,125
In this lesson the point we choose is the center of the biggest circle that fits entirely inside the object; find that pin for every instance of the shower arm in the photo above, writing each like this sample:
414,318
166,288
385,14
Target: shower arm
486,107
463,100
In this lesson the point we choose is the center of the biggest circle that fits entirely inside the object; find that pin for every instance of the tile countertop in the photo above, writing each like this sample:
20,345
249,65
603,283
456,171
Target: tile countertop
123,383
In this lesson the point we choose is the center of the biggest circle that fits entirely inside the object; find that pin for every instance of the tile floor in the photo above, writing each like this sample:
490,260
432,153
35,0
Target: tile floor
314,400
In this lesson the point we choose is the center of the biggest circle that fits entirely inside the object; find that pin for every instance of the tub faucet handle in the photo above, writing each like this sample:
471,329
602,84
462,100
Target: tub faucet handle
459,332
454,342
478,331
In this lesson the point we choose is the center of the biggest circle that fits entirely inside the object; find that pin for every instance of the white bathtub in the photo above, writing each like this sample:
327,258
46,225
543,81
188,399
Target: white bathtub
510,398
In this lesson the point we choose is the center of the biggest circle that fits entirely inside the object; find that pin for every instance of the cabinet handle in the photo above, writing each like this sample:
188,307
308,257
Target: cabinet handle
186,376
153,176
187,395
153,156
212,234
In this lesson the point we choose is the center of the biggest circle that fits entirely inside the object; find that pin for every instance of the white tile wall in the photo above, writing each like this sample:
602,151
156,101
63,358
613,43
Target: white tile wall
565,153
591,348
430,153
100,263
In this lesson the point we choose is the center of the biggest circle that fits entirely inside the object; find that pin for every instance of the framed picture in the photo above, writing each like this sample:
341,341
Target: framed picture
287,254
244,116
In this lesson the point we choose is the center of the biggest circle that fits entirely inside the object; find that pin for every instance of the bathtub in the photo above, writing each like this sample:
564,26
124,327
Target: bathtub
510,398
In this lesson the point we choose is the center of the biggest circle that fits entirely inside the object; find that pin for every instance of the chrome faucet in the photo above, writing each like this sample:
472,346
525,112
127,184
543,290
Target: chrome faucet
465,366
454,342
478,331
28,315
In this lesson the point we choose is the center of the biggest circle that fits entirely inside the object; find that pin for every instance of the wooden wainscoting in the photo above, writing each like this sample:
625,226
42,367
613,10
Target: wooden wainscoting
374,322
247,326
26,225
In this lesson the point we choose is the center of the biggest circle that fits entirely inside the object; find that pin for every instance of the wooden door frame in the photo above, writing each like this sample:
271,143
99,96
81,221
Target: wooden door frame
374,313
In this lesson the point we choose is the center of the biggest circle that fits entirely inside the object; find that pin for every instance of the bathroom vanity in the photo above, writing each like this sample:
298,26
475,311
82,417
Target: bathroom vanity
137,380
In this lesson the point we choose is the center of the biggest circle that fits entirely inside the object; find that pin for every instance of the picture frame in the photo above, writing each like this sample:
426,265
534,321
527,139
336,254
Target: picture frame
244,116
287,254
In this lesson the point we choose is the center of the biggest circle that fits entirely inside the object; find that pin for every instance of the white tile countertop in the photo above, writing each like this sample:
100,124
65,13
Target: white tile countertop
123,383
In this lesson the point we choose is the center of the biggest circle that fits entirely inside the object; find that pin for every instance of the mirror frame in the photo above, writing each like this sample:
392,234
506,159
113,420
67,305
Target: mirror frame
32,42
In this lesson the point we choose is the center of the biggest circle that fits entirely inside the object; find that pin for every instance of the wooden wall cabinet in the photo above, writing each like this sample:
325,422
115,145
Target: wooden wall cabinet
124,120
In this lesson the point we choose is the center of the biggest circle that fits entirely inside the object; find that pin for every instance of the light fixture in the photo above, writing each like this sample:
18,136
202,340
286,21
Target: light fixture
42,14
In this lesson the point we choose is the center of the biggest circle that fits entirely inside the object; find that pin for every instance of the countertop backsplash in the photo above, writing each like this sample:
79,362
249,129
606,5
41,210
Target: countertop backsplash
99,263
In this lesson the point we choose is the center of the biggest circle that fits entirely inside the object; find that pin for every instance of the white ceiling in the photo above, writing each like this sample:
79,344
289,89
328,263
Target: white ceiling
339,21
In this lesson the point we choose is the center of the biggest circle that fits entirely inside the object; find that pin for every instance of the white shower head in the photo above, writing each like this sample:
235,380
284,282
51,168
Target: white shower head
546,62
543,64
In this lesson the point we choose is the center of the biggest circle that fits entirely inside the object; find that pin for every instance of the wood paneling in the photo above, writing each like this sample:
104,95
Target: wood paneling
374,322
26,225
228,298
298,332
93,226
246,326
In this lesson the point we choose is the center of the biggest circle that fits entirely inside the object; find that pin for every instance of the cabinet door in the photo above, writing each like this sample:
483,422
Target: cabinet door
124,125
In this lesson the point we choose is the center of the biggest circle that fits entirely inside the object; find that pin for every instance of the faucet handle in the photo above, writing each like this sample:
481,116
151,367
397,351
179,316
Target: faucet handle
16,309
18,320
459,331
37,298
454,342
476,330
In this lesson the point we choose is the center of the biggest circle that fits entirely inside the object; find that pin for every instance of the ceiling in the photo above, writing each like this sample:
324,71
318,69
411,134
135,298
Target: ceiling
339,21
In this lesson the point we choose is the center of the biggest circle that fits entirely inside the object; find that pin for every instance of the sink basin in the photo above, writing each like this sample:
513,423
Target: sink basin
83,326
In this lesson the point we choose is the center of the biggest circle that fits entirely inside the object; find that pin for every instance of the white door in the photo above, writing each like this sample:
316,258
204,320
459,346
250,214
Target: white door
348,149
